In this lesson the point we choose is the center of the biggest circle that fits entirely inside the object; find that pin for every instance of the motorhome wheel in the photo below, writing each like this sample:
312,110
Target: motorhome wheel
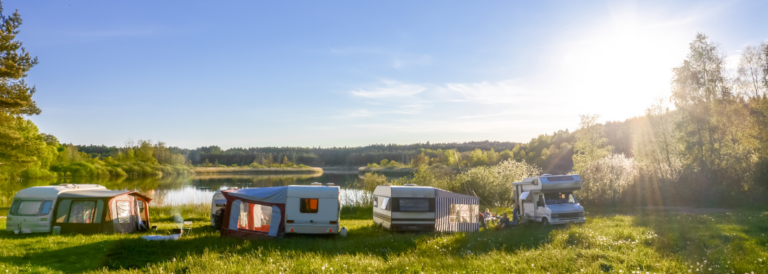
544,222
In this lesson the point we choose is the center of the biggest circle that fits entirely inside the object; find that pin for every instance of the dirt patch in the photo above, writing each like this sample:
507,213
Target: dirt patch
686,210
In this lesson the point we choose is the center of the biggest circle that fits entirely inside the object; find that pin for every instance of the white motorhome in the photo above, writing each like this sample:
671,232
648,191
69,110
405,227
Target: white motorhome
309,209
549,199
77,208
423,208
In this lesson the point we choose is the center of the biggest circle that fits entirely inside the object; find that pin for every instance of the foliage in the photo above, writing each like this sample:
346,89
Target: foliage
591,145
606,180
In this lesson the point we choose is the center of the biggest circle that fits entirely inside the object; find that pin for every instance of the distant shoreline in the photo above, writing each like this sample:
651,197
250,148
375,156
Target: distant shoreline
251,170
385,170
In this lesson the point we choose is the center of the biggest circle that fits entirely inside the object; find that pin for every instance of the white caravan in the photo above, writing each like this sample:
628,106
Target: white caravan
404,208
32,208
549,199
309,209
424,208
77,208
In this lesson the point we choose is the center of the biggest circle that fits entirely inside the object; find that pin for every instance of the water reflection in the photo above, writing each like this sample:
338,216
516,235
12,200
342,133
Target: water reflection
188,189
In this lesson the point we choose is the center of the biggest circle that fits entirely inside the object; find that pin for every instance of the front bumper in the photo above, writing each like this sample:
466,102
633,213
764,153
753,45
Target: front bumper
562,221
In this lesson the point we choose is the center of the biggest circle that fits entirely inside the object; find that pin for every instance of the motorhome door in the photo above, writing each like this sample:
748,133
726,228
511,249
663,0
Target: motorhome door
541,206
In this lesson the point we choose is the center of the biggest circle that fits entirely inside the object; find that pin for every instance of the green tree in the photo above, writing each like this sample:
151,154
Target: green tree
20,141
591,145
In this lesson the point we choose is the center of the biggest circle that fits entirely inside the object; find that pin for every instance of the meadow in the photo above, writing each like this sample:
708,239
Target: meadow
610,242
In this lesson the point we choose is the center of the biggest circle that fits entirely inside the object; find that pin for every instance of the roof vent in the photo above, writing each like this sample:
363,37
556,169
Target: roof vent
316,184
547,174
330,184
410,185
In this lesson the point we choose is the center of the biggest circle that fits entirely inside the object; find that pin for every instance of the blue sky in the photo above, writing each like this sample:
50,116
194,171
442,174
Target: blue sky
349,73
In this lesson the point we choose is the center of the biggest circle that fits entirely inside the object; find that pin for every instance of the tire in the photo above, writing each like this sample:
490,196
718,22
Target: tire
544,222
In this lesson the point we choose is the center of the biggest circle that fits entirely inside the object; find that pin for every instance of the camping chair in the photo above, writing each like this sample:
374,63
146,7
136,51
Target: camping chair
187,225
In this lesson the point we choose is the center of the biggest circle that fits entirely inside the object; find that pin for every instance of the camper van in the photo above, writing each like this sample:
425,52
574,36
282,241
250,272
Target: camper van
77,208
272,211
423,208
549,199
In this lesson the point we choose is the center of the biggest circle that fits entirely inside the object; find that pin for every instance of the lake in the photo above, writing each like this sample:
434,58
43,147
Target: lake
194,189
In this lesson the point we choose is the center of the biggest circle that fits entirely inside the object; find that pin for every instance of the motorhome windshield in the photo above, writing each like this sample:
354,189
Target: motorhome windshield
559,198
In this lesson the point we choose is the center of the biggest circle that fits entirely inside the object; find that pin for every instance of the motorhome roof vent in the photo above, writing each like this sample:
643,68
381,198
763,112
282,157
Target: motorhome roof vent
329,184
316,184
68,185
410,185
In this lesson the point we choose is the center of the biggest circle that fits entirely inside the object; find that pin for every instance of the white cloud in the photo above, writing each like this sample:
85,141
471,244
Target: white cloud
502,92
390,89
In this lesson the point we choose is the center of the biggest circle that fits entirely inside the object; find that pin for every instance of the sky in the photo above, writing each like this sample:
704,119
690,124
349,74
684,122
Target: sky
353,73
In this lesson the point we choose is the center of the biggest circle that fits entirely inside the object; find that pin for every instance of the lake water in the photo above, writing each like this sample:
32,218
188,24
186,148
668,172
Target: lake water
193,189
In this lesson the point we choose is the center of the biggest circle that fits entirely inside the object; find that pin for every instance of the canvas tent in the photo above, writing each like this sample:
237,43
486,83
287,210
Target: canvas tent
254,212
456,212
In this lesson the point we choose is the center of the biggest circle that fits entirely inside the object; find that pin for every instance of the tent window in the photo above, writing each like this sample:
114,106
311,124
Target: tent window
461,213
46,207
63,211
123,211
99,211
82,212
254,217
414,205
26,207
308,205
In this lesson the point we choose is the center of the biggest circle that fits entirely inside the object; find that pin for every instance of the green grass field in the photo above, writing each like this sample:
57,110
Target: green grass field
609,242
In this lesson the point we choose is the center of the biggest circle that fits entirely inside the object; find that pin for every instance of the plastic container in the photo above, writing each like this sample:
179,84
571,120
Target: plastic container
56,230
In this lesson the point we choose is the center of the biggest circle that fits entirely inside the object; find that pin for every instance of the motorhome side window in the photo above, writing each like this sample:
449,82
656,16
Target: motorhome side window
560,198
308,205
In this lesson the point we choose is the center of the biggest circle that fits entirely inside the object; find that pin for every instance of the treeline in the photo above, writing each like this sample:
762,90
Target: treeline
492,184
711,149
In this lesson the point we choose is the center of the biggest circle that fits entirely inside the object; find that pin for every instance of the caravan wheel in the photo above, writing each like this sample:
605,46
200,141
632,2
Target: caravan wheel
544,222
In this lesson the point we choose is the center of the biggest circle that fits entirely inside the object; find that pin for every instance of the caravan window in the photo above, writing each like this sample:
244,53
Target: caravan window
384,203
26,207
308,205
254,217
414,205
461,213
46,207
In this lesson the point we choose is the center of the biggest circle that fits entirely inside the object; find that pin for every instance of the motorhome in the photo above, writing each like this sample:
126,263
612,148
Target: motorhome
274,211
77,208
423,208
549,199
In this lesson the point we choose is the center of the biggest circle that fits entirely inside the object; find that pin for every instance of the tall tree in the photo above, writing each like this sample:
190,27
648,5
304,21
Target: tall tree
751,70
20,142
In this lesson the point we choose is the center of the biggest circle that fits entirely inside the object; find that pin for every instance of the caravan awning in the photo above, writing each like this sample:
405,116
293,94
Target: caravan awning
274,195
98,193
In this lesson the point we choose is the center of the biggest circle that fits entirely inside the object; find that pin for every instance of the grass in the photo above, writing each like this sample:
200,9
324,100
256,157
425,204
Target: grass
641,242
